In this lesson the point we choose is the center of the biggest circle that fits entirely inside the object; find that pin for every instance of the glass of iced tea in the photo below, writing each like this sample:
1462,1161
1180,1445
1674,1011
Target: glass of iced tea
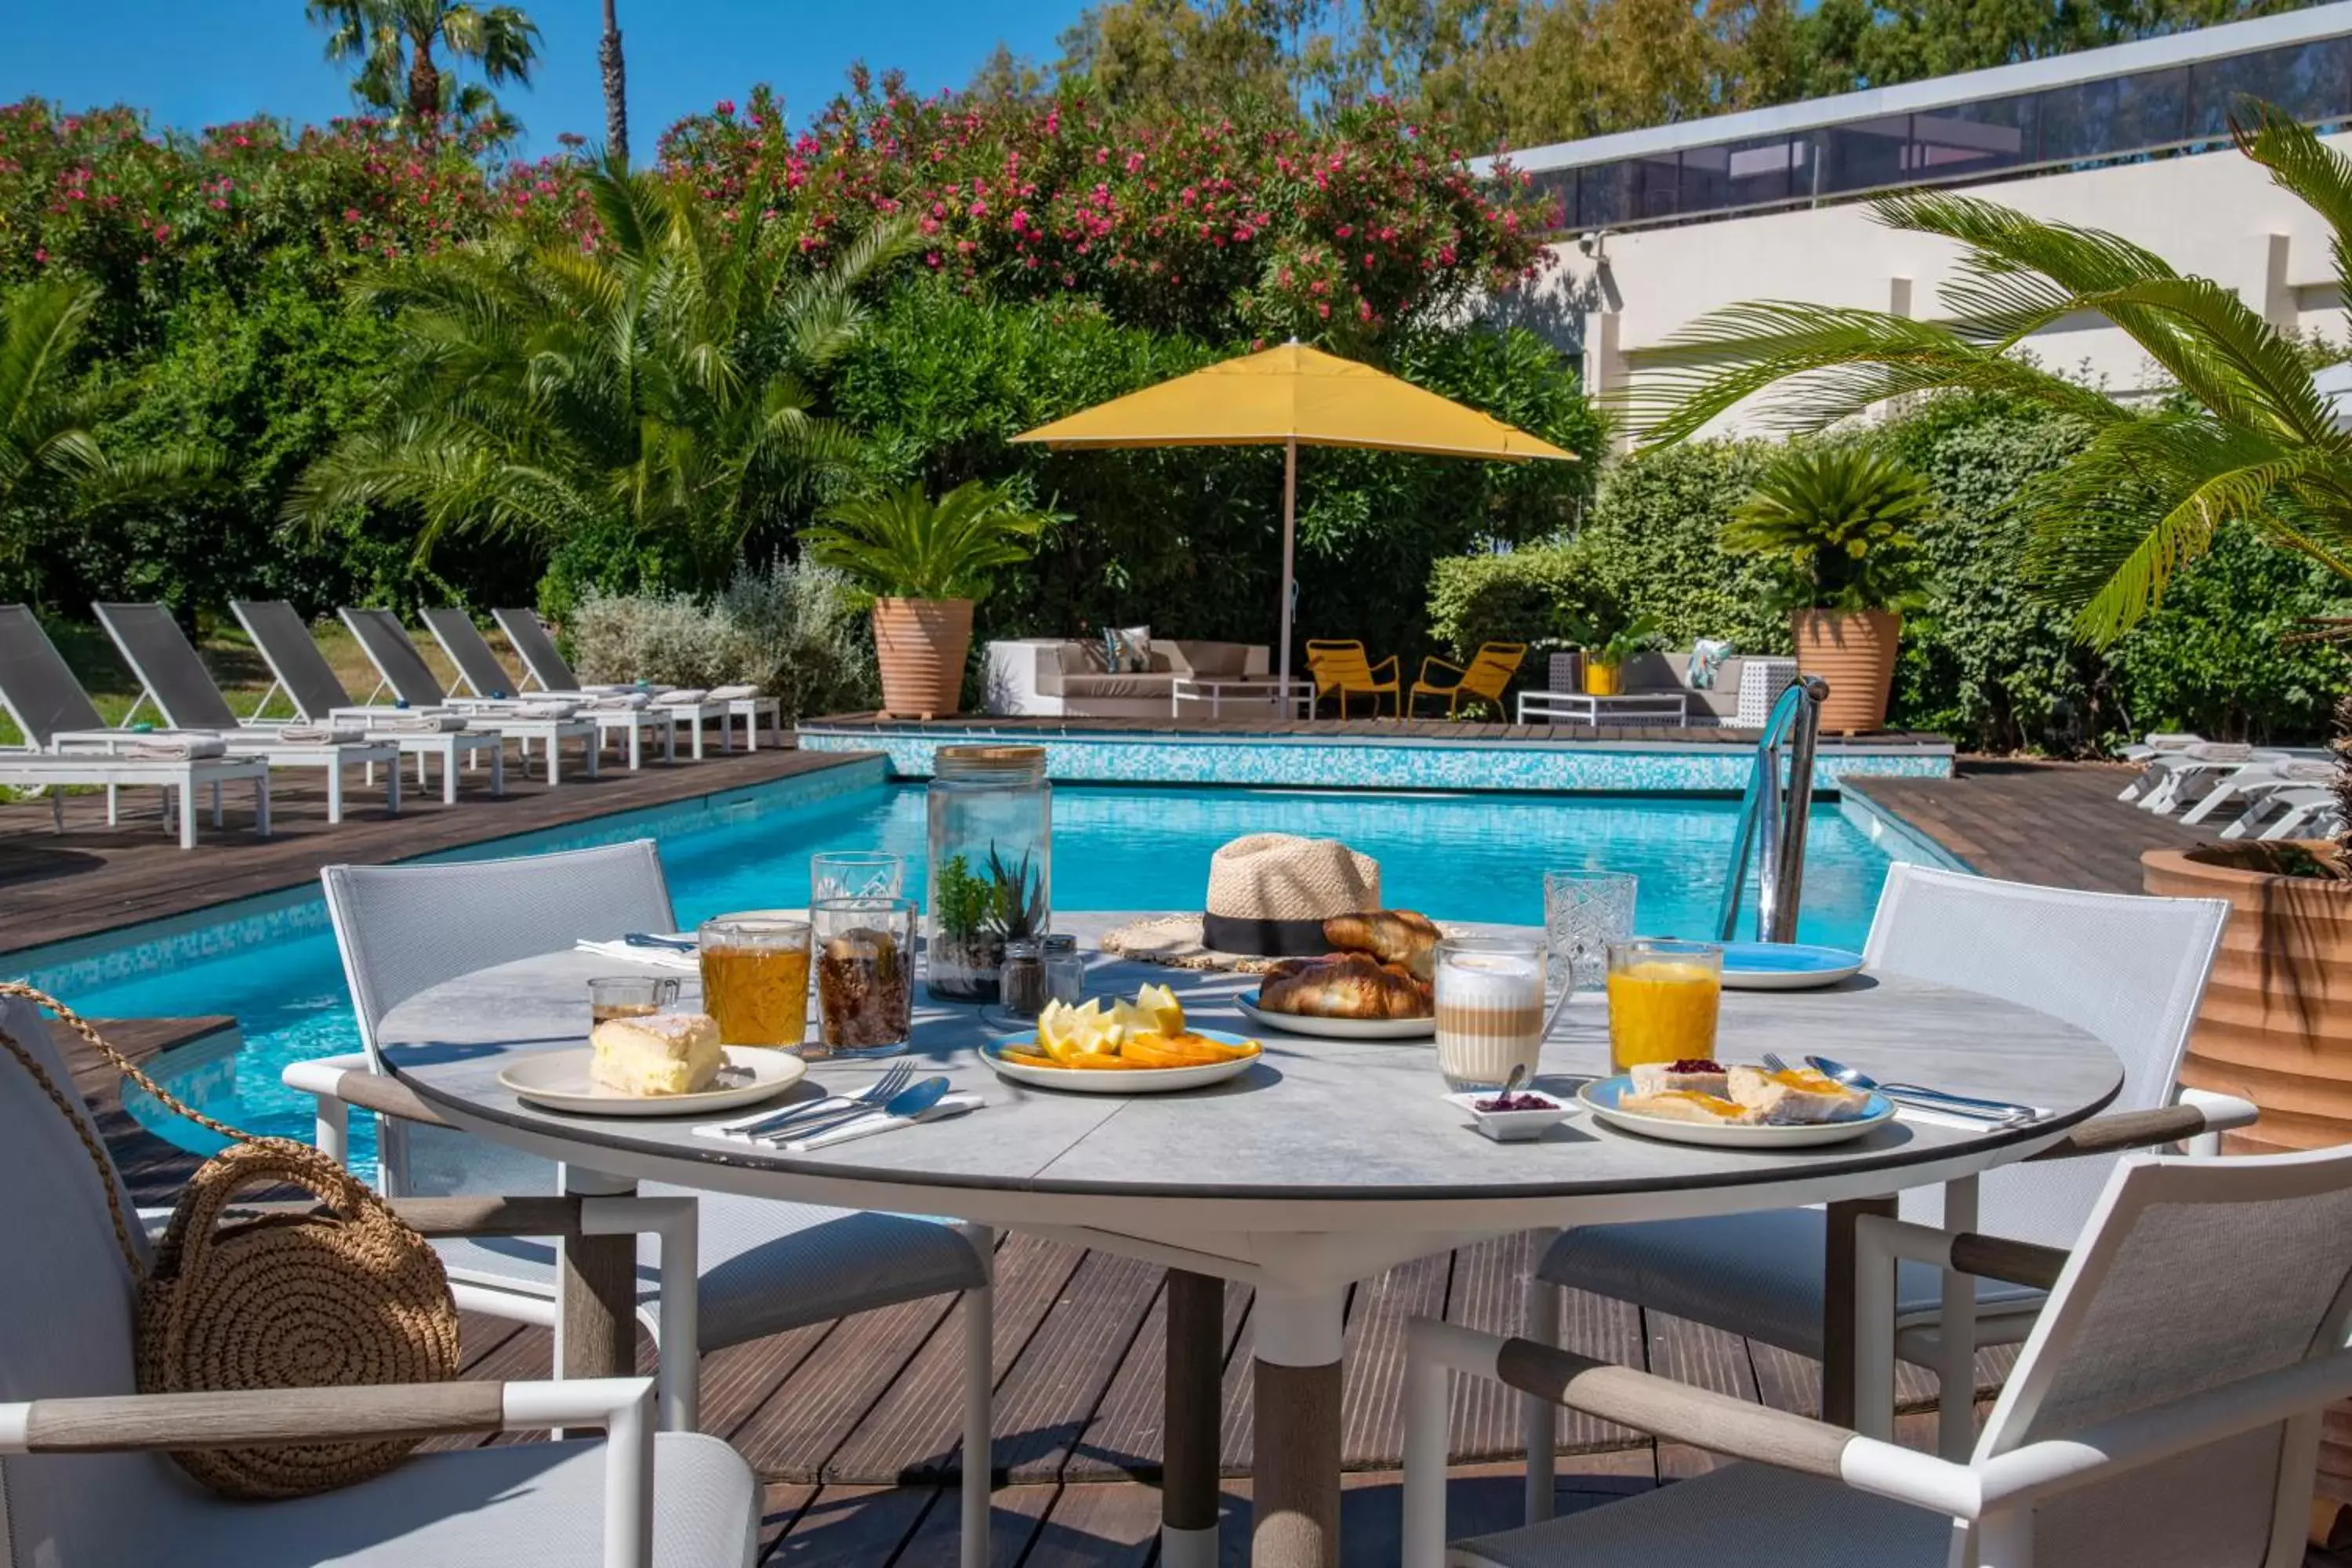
629,996
1663,997
755,977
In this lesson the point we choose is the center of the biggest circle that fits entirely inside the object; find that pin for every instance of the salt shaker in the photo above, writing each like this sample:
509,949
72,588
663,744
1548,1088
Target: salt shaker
1023,977
1066,969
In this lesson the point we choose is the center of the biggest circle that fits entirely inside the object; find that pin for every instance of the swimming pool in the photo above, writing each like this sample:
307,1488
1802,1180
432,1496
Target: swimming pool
1115,848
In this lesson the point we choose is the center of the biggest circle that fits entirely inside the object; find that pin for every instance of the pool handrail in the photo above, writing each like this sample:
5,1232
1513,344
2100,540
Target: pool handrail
1776,816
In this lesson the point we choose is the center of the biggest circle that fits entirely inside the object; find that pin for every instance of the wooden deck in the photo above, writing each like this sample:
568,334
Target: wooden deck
2058,823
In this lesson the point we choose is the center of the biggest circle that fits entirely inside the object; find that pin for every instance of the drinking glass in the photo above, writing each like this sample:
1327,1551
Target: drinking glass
1584,911
1664,998
629,996
1490,1010
755,977
855,874
864,975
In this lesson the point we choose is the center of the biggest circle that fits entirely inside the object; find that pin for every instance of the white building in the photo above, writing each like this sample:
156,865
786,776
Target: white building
1665,225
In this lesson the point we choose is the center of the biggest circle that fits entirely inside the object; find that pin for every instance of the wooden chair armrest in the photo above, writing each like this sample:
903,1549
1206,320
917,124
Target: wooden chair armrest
113,1424
1999,1257
335,1079
2223,1112
2128,1130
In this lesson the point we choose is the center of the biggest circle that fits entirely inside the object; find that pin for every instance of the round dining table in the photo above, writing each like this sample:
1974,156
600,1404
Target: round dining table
1326,1162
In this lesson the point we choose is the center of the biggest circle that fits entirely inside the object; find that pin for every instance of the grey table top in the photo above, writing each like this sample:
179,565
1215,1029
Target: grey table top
1315,1120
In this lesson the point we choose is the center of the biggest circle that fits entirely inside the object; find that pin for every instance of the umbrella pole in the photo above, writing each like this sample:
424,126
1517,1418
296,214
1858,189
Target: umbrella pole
1289,538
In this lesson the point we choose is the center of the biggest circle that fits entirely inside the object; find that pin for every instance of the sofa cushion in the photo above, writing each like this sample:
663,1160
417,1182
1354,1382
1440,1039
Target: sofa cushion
1087,658
1214,660
1119,686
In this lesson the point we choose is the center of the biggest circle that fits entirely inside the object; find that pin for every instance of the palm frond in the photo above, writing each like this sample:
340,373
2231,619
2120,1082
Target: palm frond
2315,173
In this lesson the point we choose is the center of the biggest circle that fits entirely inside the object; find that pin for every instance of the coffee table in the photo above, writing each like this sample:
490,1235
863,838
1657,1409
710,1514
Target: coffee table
1267,688
1668,708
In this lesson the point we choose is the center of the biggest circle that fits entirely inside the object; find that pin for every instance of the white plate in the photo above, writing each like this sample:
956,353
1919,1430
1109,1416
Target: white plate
1785,966
1339,1028
557,1081
1600,1096
1130,1080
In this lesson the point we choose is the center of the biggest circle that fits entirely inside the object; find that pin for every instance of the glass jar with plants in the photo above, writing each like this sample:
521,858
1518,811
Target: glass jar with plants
1835,519
992,854
926,563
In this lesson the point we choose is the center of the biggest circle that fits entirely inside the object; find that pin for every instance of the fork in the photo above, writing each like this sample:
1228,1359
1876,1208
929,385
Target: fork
762,1124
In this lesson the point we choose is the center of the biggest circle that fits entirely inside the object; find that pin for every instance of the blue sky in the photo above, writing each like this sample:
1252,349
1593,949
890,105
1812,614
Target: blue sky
198,62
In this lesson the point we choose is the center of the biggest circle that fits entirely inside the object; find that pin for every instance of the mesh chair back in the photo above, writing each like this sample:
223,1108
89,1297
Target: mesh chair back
469,651
2129,970
395,656
66,1307
167,664
2136,1324
280,632
35,686
537,649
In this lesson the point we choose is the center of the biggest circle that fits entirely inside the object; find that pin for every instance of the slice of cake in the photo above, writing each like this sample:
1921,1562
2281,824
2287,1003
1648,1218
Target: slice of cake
1688,1105
1694,1075
1797,1096
661,1053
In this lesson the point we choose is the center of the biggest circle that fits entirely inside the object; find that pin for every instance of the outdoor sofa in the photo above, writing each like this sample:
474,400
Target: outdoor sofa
1072,678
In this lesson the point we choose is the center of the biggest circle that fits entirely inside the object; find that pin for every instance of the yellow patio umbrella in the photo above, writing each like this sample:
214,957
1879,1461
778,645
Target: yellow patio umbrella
1297,396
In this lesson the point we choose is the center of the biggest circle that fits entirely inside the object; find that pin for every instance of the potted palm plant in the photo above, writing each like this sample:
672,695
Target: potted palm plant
1836,520
926,563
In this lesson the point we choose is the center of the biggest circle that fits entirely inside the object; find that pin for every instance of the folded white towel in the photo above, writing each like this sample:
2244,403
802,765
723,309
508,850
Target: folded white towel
2172,741
658,957
546,710
620,702
684,694
2308,770
395,722
2220,751
318,735
177,748
733,693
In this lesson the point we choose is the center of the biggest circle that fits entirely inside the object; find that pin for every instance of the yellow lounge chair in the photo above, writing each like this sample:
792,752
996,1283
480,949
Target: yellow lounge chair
1487,677
1343,667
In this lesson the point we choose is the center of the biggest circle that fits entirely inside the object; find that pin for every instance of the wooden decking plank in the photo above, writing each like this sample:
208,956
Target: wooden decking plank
1125,1438
1105,1524
796,1432
1704,1357
1048,1400
851,1527
914,1435
1489,1295
737,1380
1371,1405
780,1503
1015,1516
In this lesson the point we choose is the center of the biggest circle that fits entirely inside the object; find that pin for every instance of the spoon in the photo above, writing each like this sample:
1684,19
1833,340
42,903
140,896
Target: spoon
1853,1078
909,1103
1511,1084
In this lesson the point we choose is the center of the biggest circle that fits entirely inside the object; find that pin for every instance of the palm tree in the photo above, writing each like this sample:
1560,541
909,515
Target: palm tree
392,42
616,86
654,393
2250,440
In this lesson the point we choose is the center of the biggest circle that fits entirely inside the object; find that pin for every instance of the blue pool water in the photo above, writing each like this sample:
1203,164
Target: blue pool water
1451,857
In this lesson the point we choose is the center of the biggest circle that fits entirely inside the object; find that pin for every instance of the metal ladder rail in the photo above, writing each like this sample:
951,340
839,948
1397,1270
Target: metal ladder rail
1776,815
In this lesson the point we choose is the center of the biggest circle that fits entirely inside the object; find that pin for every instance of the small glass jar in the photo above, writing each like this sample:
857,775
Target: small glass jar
990,818
1022,980
1066,969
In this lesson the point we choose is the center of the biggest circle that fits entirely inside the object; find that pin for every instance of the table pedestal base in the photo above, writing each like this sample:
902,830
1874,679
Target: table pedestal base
1295,1521
1187,1486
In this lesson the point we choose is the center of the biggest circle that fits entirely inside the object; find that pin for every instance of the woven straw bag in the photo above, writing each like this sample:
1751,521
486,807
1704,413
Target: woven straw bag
345,1296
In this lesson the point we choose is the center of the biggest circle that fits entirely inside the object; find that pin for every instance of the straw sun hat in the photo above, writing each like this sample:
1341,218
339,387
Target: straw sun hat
1269,894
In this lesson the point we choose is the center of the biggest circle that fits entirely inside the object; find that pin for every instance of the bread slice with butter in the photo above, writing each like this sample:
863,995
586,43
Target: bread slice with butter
1693,1076
1800,1097
659,1054
1689,1105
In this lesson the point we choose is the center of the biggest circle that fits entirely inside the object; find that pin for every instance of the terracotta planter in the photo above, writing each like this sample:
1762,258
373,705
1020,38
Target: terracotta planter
1600,680
921,644
2275,1027
1853,650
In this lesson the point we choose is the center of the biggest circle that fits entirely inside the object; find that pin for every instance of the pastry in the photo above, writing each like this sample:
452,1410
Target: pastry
1696,1075
1344,985
1688,1105
658,1054
1796,1098
1392,936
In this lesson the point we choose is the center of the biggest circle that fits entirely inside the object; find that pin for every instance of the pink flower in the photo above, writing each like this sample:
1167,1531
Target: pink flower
725,105
1345,230
41,255
1324,311
351,215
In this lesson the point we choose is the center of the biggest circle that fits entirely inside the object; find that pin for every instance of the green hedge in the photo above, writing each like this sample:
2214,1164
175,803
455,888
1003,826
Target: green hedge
1986,663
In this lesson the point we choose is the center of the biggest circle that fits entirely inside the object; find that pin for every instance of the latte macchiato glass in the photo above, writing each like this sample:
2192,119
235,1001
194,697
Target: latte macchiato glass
1490,1010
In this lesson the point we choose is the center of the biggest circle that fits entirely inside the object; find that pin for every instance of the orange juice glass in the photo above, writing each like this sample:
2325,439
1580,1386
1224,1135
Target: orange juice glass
1663,997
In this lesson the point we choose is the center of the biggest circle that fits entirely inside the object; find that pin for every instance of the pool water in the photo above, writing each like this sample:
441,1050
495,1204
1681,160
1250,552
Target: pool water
1452,857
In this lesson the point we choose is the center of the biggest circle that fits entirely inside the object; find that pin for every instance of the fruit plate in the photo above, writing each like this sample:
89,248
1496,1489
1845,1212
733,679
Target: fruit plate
1122,1080
1338,1028
557,1081
1785,966
1600,1098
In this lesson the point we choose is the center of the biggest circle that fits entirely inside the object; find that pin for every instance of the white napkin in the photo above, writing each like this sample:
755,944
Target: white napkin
659,957
881,1121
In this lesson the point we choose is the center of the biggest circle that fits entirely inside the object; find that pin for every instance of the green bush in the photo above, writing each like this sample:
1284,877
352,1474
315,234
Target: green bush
1548,596
1655,545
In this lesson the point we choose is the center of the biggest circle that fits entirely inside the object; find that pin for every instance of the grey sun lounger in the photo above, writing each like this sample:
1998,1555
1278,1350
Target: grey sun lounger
40,693
548,668
311,683
172,677
402,671
481,672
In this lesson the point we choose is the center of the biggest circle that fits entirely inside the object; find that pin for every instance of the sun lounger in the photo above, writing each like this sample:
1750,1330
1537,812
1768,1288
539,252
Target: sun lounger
402,670
2303,811
628,716
547,667
309,682
174,678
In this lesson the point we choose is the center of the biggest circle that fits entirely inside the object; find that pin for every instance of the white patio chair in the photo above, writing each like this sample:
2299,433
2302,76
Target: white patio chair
82,1481
2129,970
481,675
764,1266
2149,1422
551,674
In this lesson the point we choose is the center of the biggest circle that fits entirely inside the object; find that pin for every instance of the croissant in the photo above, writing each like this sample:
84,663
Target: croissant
1343,985
1392,936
